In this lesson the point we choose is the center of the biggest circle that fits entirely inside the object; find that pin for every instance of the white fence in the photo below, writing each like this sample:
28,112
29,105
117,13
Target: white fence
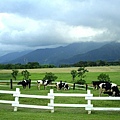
17,94
88,96
91,108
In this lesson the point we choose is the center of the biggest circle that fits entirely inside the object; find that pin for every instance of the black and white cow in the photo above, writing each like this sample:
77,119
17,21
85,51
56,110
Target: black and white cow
44,83
115,92
97,83
25,83
62,85
109,88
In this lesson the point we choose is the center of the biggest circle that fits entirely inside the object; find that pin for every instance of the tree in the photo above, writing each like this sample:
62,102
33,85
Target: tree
25,74
74,74
32,65
50,76
104,77
81,74
100,63
14,73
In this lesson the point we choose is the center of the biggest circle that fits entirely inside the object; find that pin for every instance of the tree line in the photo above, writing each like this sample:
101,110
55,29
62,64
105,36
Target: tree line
32,65
92,63
29,65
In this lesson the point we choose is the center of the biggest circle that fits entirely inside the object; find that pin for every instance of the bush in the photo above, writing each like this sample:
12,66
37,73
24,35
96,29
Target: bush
104,77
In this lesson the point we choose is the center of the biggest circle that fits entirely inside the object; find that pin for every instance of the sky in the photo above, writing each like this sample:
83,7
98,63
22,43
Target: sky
33,24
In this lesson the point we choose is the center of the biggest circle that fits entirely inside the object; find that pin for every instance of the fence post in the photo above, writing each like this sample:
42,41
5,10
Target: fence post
29,83
73,86
16,102
51,94
11,84
89,105
86,87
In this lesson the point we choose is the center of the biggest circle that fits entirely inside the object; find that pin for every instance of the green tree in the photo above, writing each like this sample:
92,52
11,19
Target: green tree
100,63
50,76
81,75
14,74
74,74
25,74
103,77
32,65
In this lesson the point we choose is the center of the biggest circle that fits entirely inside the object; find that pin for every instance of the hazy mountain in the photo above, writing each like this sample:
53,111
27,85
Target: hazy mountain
54,55
108,52
11,56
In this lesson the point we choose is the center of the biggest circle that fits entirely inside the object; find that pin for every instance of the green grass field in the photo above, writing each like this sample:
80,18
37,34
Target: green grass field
7,113
64,73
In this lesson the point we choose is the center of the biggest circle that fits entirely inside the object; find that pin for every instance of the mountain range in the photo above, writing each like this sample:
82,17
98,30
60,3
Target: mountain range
72,53
108,52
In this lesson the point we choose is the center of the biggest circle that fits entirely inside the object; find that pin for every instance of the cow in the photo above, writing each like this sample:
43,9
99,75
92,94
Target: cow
62,85
97,83
43,82
109,88
115,92
25,83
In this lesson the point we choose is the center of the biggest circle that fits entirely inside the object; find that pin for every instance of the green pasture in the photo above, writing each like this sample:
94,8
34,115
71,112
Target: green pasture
66,77
7,113
64,73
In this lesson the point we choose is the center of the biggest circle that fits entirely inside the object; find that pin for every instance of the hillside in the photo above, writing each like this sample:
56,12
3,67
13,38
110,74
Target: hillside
108,52
55,55
11,56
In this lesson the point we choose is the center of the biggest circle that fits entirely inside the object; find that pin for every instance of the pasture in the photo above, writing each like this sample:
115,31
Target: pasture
6,110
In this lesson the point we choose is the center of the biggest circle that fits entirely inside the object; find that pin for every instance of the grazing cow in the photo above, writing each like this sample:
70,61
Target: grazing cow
43,82
62,85
109,88
39,83
97,83
115,92
25,83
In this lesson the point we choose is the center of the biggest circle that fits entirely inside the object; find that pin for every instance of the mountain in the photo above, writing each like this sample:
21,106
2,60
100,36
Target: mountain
54,55
108,52
11,56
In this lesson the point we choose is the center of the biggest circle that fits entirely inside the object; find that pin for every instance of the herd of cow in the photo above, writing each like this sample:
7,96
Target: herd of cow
59,85
104,87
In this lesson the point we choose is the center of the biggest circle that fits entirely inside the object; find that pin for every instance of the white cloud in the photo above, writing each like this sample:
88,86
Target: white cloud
30,32
29,24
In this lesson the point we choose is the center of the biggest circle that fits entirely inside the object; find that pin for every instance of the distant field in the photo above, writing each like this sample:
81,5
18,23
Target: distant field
68,70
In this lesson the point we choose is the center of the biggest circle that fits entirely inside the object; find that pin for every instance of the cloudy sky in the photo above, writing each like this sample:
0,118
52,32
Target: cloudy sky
32,24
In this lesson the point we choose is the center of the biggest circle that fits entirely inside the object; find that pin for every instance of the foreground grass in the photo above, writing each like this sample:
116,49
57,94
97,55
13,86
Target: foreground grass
7,113
59,114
